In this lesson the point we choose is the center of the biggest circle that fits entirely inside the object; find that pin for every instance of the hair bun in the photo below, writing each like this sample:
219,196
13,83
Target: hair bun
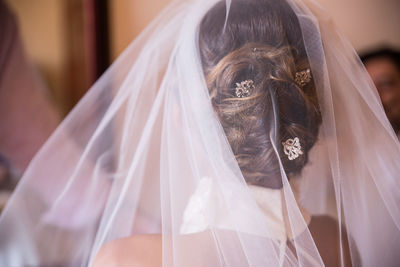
276,107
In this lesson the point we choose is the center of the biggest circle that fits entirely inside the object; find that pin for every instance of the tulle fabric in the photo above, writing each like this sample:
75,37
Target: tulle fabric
130,156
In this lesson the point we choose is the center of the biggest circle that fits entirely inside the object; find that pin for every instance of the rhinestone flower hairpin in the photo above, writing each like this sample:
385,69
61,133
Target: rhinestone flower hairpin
303,77
244,88
292,148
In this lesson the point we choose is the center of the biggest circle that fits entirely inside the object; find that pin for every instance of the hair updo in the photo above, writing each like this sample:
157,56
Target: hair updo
263,42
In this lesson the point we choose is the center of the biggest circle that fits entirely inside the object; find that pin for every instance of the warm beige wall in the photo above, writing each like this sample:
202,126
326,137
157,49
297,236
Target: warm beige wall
41,26
128,18
366,23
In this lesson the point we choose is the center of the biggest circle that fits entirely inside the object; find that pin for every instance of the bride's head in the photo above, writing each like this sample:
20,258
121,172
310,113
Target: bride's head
250,68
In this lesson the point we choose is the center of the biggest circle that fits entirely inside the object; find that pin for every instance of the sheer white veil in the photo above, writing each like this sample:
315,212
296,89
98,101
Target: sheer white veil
131,156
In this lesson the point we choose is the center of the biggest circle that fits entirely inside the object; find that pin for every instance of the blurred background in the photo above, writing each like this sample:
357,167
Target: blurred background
72,42
52,51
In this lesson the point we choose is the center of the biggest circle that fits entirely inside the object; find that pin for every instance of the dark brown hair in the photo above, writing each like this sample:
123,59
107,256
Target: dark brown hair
263,42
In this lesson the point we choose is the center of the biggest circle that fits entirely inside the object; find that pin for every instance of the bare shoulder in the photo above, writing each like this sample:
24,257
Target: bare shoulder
325,232
135,251
145,250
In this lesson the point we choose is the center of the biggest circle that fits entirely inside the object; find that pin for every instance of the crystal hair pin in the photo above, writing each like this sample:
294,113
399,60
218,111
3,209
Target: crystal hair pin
292,148
244,88
303,77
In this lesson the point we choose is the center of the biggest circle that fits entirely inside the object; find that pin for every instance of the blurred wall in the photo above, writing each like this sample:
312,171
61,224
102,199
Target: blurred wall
59,37
43,32
128,18
366,23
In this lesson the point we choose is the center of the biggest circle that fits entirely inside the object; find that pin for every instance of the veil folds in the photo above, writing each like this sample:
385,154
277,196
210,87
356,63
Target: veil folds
144,150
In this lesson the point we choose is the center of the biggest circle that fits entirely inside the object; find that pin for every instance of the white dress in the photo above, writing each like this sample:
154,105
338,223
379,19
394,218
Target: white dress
206,209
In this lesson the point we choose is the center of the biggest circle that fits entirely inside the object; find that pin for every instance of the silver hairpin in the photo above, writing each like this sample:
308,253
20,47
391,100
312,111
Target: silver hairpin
303,77
244,88
292,148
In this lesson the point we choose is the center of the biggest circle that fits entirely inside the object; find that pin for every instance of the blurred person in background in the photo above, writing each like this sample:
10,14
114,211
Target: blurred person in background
26,116
383,65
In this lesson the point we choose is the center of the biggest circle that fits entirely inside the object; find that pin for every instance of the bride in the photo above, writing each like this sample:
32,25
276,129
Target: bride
230,133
